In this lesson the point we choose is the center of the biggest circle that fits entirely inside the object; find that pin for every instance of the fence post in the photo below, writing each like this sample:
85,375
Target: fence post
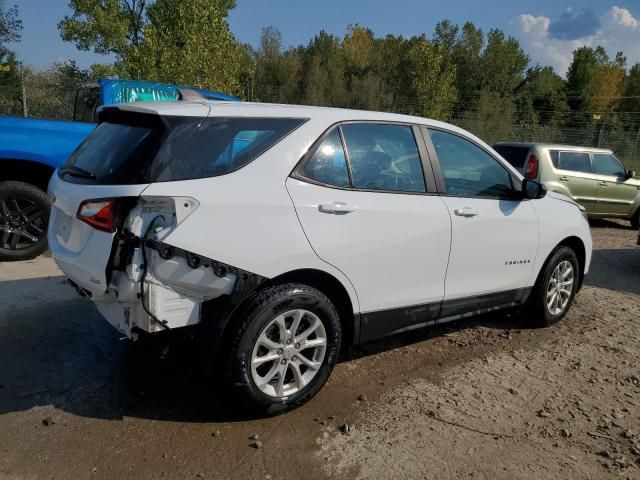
25,112
635,146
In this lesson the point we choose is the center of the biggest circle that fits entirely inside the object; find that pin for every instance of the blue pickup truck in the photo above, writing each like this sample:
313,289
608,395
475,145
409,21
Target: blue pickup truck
31,149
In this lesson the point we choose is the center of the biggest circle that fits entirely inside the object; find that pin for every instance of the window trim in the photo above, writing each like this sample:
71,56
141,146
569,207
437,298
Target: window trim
442,188
574,172
425,160
593,170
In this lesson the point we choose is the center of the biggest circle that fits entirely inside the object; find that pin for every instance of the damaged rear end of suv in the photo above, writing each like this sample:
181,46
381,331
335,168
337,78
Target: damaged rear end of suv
121,201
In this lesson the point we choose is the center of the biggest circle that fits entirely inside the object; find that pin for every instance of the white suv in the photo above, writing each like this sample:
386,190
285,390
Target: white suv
280,233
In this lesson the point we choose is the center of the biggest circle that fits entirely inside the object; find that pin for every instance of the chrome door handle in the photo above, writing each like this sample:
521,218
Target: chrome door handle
564,178
603,183
335,208
465,212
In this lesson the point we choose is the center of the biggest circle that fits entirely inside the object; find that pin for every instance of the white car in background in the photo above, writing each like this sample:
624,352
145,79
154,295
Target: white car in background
282,232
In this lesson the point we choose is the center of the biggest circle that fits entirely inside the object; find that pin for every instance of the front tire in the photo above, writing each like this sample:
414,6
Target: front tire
555,289
282,347
24,217
635,219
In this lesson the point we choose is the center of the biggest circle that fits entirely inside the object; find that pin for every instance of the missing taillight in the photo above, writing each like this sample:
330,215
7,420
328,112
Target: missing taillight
100,214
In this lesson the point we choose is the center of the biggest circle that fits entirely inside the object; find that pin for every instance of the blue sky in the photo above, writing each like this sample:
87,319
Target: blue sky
548,29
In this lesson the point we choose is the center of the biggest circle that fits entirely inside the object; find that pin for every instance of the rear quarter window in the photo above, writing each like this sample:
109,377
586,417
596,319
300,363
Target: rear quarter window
140,148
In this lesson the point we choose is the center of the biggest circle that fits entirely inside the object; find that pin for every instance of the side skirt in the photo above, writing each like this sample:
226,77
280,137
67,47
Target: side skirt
375,325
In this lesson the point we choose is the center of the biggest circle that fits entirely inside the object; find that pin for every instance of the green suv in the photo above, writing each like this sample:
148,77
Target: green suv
593,177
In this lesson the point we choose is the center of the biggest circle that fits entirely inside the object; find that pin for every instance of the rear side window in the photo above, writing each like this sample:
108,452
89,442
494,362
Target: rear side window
573,161
516,156
384,157
607,164
134,149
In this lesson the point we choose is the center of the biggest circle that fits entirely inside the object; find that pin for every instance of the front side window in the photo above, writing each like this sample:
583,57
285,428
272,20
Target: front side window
87,100
328,165
384,157
607,164
573,161
467,169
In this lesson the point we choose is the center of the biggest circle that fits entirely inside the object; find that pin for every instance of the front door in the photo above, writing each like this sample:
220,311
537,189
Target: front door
494,234
616,194
364,207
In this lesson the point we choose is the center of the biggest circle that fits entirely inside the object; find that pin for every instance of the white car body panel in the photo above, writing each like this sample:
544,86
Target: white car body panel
484,245
406,237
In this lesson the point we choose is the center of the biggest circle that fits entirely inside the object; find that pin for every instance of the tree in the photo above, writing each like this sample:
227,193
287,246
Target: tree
433,82
631,92
109,27
190,43
503,63
580,74
465,56
10,24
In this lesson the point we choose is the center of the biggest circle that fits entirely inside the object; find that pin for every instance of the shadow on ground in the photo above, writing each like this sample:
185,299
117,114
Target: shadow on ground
63,353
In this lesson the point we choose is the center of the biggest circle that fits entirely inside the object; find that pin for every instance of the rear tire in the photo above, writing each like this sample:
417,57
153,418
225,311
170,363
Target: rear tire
555,289
295,325
24,218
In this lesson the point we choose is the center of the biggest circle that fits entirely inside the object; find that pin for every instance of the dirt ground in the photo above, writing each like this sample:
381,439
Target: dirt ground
482,399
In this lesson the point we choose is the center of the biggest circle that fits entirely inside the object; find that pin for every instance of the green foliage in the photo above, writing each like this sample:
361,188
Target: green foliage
10,24
190,43
433,81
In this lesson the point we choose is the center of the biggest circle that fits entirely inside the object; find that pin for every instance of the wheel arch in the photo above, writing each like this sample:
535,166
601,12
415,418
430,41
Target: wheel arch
332,288
220,314
577,245
26,171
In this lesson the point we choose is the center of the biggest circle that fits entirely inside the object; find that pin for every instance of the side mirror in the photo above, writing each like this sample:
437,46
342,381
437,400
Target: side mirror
532,189
629,174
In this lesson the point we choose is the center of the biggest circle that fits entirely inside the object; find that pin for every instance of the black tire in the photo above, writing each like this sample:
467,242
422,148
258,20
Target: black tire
635,219
25,209
536,311
248,324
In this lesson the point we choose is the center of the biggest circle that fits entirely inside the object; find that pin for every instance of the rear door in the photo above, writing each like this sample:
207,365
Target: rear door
573,171
616,194
494,234
367,209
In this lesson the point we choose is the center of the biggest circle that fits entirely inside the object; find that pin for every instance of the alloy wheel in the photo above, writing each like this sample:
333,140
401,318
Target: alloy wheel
22,223
560,288
288,353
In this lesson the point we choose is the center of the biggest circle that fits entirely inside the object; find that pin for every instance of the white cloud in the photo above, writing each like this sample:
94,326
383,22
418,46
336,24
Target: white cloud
619,30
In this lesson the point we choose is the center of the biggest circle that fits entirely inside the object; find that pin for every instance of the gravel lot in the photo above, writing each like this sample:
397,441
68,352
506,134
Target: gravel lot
486,398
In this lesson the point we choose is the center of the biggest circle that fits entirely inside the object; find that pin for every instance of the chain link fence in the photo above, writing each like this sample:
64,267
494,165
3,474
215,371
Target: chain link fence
39,97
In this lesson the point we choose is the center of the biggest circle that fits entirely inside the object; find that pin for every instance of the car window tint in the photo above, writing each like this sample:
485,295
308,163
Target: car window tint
553,154
516,156
467,169
574,161
384,157
328,164
607,164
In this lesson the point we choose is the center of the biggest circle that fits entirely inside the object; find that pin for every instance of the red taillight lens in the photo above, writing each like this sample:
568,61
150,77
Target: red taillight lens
100,214
531,171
